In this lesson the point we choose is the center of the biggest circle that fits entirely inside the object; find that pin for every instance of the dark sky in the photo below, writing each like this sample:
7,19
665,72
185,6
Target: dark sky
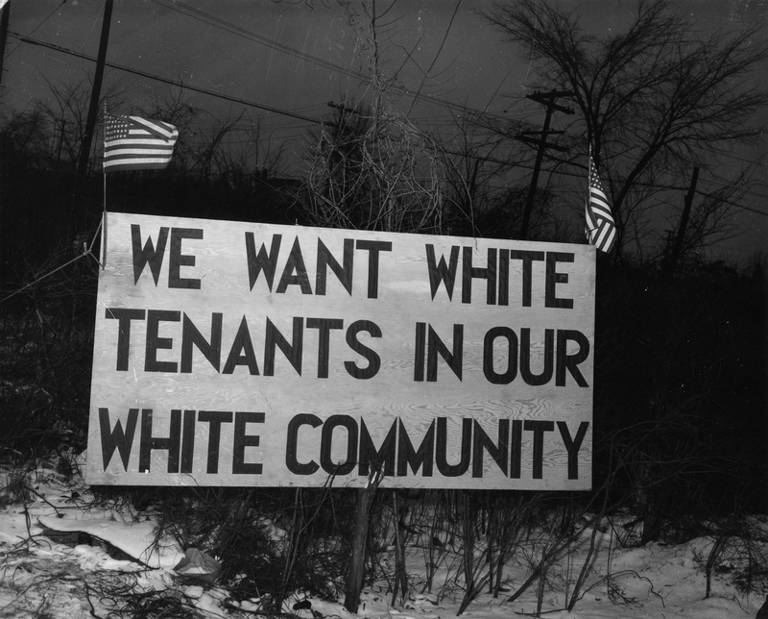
295,56
290,55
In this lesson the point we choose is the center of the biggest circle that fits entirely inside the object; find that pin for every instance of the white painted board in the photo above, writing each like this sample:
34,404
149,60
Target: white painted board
243,354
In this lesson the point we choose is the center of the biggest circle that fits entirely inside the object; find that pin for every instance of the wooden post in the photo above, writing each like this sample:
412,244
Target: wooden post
4,17
678,246
401,576
547,99
535,175
93,107
468,550
674,255
6,11
356,570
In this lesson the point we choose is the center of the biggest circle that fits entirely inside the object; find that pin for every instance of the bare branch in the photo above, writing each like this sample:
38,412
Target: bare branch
650,98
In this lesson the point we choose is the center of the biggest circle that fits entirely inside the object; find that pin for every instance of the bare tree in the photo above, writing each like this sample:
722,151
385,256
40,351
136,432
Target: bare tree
371,168
473,160
486,183
710,224
65,111
232,147
375,173
653,100
253,153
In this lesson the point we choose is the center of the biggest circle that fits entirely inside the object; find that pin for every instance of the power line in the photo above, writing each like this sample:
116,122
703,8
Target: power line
40,24
747,192
216,22
274,110
675,188
158,78
209,92
656,186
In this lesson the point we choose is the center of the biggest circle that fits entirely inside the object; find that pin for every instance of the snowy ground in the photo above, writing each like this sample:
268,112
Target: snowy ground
62,558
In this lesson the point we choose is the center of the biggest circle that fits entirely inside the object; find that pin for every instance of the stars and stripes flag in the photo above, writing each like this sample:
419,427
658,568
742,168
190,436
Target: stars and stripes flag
600,228
135,143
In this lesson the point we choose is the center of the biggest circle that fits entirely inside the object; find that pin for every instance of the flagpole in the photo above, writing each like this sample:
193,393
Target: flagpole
104,195
586,200
104,222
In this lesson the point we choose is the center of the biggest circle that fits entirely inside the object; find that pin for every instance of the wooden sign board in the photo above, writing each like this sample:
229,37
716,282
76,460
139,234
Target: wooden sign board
242,354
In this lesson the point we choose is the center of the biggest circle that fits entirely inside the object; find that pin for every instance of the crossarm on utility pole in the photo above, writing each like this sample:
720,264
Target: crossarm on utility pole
547,99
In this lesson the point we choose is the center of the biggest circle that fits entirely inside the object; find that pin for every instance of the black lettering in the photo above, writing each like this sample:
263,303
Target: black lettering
116,438
374,361
326,445
124,317
372,459
324,326
149,442
489,369
295,271
243,440
190,336
292,444
553,278
526,371
214,419
499,451
516,450
538,428
187,441
241,352
503,277
442,272
418,351
292,350
488,273
155,342
571,362
147,254
572,445
422,458
177,259
373,248
326,259
527,258
454,358
262,261
441,448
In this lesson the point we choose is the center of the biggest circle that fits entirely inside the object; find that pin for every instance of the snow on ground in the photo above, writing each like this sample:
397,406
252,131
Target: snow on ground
62,558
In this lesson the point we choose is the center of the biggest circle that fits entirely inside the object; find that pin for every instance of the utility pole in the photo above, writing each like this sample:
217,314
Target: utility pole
4,17
93,107
677,247
547,99
6,10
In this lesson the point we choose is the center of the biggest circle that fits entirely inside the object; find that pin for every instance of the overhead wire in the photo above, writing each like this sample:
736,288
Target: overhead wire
183,8
717,178
159,78
218,23
39,25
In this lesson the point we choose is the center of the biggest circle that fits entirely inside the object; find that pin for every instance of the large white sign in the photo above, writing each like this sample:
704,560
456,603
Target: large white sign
242,354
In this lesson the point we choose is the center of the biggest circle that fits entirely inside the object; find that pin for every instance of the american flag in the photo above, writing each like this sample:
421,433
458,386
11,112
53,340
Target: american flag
135,143
601,228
